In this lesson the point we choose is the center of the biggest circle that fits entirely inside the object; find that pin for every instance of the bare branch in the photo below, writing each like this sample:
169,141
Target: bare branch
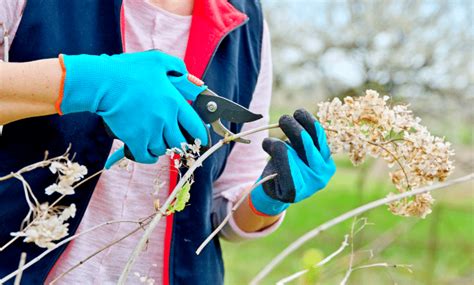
20,268
352,213
321,263
229,215
64,241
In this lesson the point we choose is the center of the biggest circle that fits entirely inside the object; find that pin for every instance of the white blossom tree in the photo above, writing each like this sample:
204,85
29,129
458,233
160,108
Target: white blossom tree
420,51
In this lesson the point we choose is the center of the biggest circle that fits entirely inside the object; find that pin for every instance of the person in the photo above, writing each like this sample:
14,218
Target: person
113,65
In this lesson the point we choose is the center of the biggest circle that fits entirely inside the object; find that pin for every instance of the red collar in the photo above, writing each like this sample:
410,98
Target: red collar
212,21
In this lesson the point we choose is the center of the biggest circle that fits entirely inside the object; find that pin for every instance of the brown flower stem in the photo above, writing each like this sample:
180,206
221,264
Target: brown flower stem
395,158
352,213
229,215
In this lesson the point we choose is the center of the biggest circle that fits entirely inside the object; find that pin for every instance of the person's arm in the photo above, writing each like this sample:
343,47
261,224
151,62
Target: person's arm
248,221
28,89
132,92
245,164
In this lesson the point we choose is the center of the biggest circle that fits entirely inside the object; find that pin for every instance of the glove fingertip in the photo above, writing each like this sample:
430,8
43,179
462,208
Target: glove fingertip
114,158
268,145
284,121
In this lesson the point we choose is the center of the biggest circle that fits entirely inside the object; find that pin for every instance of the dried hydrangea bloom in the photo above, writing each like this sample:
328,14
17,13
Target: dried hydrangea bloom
368,125
186,156
48,226
68,173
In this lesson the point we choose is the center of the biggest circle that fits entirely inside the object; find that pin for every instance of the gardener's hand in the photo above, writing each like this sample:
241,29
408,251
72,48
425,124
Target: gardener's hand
136,99
304,165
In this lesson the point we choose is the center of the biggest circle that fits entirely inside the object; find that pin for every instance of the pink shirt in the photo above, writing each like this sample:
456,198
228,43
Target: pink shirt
128,193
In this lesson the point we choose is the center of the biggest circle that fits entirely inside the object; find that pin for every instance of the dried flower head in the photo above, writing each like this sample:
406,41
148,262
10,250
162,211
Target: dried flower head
367,125
68,173
48,226
186,156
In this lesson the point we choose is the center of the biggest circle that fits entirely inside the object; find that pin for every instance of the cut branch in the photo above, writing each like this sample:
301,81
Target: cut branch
229,215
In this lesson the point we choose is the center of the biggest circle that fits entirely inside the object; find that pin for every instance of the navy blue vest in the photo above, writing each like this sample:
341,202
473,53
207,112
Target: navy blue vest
51,27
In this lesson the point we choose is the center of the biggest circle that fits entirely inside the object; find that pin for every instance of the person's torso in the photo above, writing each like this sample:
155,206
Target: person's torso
224,52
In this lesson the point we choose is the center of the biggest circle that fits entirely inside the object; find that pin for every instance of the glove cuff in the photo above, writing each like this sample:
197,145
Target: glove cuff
263,205
80,82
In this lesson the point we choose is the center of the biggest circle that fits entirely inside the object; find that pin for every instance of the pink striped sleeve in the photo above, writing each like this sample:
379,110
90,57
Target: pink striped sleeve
246,162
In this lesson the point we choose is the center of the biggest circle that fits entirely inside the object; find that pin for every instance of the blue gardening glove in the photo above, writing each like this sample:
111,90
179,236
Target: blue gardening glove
135,97
304,165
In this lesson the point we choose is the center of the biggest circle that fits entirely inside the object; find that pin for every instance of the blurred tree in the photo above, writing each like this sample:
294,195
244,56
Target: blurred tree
421,52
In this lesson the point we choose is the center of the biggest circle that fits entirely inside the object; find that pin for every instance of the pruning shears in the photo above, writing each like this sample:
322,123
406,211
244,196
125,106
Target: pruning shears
212,107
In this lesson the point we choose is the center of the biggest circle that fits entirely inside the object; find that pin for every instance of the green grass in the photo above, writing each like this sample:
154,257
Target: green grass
440,247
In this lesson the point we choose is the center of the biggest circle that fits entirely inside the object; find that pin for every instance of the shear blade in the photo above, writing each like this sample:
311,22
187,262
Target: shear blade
226,109
221,130
239,115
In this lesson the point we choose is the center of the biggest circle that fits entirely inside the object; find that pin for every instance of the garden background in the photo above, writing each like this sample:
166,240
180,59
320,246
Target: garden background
418,52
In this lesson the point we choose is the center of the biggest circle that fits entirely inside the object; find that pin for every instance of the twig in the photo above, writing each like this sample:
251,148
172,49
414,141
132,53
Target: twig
351,258
97,252
354,212
36,165
229,215
321,263
384,264
141,244
77,185
27,189
64,241
380,243
20,268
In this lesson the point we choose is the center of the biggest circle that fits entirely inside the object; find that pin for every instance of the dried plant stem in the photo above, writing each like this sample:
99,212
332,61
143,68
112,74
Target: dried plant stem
396,159
351,257
20,269
141,244
234,208
33,166
381,264
156,219
380,243
352,213
28,189
98,251
64,241
321,263
249,132
77,185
